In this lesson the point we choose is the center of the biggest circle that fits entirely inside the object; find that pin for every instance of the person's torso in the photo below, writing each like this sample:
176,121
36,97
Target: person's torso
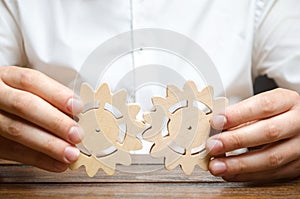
60,35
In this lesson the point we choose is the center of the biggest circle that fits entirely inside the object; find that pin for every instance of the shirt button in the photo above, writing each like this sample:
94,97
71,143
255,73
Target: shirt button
261,3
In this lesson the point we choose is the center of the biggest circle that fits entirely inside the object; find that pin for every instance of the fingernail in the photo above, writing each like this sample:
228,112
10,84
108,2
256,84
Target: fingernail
218,167
218,122
71,154
214,146
74,105
76,134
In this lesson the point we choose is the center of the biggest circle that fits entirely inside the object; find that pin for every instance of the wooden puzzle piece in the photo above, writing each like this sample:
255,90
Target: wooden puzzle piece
110,128
180,126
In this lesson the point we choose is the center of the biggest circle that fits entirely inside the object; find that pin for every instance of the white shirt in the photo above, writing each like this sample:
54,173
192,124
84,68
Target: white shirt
243,38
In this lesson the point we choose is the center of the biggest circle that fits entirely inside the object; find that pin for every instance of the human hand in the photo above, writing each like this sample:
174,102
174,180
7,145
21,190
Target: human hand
35,126
270,120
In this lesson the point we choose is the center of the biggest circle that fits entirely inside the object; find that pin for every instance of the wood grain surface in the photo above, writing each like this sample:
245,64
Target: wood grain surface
22,181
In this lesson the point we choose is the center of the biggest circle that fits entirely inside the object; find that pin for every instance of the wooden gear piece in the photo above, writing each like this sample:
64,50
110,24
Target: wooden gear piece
110,128
180,126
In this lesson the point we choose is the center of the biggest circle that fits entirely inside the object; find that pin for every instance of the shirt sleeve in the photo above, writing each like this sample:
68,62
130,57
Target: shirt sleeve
11,42
276,50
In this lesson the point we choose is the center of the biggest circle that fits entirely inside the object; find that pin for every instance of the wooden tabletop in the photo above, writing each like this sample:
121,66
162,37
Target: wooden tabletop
141,181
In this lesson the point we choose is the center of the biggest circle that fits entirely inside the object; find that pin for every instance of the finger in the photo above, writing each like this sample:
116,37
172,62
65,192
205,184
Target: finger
43,86
256,161
218,121
36,110
259,133
289,171
16,152
261,106
27,134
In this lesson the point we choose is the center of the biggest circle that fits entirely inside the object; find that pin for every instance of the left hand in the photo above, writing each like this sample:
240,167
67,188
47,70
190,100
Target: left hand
270,120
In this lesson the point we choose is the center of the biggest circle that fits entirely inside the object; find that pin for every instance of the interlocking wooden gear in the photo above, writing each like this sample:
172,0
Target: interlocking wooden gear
180,126
110,128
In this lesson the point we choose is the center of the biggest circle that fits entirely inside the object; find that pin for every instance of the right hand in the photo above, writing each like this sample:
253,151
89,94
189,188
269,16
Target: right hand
35,126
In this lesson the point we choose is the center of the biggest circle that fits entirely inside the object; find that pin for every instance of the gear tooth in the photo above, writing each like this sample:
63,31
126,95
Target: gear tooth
172,161
121,157
206,96
171,166
203,162
107,166
219,105
120,96
109,171
137,146
126,159
156,122
147,118
148,125
158,101
80,117
207,91
86,93
173,92
103,89
187,168
133,109
192,87
103,94
141,124
91,164
93,167
190,84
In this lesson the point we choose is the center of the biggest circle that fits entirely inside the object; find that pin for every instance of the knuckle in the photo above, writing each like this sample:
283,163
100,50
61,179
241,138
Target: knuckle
58,123
242,167
281,91
236,166
291,93
268,105
239,111
236,141
295,95
272,132
53,148
26,79
6,70
51,144
20,103
14,129
275,160
60,126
